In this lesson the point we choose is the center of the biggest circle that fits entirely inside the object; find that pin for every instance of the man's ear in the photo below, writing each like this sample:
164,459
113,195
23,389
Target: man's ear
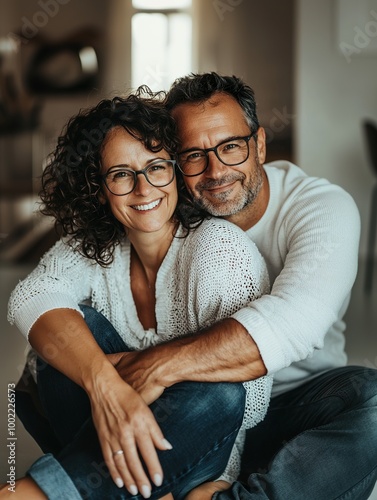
261,145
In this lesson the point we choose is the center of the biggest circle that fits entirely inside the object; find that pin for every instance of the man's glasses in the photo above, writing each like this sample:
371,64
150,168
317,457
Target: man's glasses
231,152
120,180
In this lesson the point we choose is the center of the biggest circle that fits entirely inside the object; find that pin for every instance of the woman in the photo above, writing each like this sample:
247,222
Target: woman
139,251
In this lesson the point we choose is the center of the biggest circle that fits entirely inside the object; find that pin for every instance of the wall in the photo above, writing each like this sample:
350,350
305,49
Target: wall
333,95
35,22
253,40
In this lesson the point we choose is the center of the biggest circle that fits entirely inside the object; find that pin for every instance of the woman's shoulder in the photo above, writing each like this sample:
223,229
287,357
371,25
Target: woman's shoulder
217,243
220,256
220,233
68,249
216,225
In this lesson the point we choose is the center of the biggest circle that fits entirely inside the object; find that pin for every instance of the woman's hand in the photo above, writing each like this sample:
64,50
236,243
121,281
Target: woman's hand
206,490
126,427
123,421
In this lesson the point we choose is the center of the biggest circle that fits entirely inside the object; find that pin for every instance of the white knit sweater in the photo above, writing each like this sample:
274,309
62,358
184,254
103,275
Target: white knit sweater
309,237
204,277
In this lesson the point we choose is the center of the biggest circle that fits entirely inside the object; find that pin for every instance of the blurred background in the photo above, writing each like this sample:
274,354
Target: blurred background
313,66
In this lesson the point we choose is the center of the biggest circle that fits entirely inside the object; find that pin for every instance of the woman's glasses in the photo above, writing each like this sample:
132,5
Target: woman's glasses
120,180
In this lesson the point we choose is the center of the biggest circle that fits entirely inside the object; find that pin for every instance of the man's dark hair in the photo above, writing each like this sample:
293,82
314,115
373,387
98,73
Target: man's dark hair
72,182
197,88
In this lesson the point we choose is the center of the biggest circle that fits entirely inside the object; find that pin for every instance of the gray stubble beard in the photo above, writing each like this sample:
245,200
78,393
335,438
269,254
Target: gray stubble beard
226,208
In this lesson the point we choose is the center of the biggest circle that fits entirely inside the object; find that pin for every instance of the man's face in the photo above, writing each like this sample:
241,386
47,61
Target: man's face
222,190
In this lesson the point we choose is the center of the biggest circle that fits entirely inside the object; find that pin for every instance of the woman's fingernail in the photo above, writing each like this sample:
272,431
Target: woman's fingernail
157,479
145,491
118,481
167,445
133,489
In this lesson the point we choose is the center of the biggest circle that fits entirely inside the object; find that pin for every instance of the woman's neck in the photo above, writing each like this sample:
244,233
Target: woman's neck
148,250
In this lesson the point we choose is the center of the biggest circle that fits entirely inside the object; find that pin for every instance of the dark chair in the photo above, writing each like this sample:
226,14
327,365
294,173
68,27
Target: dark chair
370,131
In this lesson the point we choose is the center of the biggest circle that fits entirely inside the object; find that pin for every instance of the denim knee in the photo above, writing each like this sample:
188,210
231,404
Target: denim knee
233,396
227,397
103,331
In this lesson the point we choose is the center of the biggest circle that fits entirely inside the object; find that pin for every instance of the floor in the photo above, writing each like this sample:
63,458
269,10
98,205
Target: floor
361,346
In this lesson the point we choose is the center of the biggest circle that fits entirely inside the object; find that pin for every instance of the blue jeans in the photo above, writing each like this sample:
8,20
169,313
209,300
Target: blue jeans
317,442
201,420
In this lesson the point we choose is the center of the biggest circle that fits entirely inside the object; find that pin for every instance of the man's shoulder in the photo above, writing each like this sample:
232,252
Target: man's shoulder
294,194
288,180
285,170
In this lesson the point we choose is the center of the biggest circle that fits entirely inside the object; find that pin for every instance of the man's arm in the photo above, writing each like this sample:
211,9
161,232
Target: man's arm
321,235
222,352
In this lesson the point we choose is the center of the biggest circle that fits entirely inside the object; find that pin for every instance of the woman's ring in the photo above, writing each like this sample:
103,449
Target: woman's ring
119,452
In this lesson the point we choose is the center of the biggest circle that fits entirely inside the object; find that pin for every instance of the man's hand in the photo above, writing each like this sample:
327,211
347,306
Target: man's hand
224,352
140,372
206,490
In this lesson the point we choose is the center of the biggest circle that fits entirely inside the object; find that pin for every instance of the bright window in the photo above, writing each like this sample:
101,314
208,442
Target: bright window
161,4
161,42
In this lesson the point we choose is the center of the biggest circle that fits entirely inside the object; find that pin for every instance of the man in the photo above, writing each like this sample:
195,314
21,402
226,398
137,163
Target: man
319,439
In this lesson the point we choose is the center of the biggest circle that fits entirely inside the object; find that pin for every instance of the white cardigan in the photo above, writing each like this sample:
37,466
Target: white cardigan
204,277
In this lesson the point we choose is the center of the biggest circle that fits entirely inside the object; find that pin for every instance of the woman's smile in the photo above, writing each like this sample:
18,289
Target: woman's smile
146,207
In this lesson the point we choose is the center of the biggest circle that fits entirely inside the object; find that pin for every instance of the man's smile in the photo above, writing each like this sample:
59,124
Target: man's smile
221,188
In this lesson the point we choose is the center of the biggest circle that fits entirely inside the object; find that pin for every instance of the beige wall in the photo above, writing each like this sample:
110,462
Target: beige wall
333,95
253,40
26,18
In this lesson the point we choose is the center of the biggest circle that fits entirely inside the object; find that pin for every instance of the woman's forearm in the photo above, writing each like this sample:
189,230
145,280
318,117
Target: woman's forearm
122,419
62,339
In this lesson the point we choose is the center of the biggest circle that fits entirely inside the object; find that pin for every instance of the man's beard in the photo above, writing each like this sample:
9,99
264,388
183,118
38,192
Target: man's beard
226,207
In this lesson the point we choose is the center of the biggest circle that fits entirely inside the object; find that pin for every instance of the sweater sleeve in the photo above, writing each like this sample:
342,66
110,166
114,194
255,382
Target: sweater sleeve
61,280
318,239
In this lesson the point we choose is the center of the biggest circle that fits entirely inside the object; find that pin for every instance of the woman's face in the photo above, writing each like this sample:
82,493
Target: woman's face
146,209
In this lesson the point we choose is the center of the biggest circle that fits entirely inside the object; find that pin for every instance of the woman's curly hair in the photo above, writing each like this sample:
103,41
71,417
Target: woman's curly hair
72,183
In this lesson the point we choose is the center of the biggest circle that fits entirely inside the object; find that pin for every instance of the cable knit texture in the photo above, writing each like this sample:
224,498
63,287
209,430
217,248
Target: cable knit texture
204,277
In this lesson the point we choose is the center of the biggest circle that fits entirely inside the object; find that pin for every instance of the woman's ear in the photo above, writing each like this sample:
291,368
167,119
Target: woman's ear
102,198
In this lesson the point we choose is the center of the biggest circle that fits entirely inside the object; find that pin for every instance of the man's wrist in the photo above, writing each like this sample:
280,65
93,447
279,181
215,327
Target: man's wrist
165,364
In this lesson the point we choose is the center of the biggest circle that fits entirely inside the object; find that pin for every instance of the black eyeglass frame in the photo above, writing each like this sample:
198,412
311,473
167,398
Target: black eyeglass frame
214,149
135,173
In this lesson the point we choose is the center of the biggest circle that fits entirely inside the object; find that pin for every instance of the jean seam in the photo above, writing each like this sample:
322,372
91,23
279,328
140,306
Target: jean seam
312,429
322,397
306,405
